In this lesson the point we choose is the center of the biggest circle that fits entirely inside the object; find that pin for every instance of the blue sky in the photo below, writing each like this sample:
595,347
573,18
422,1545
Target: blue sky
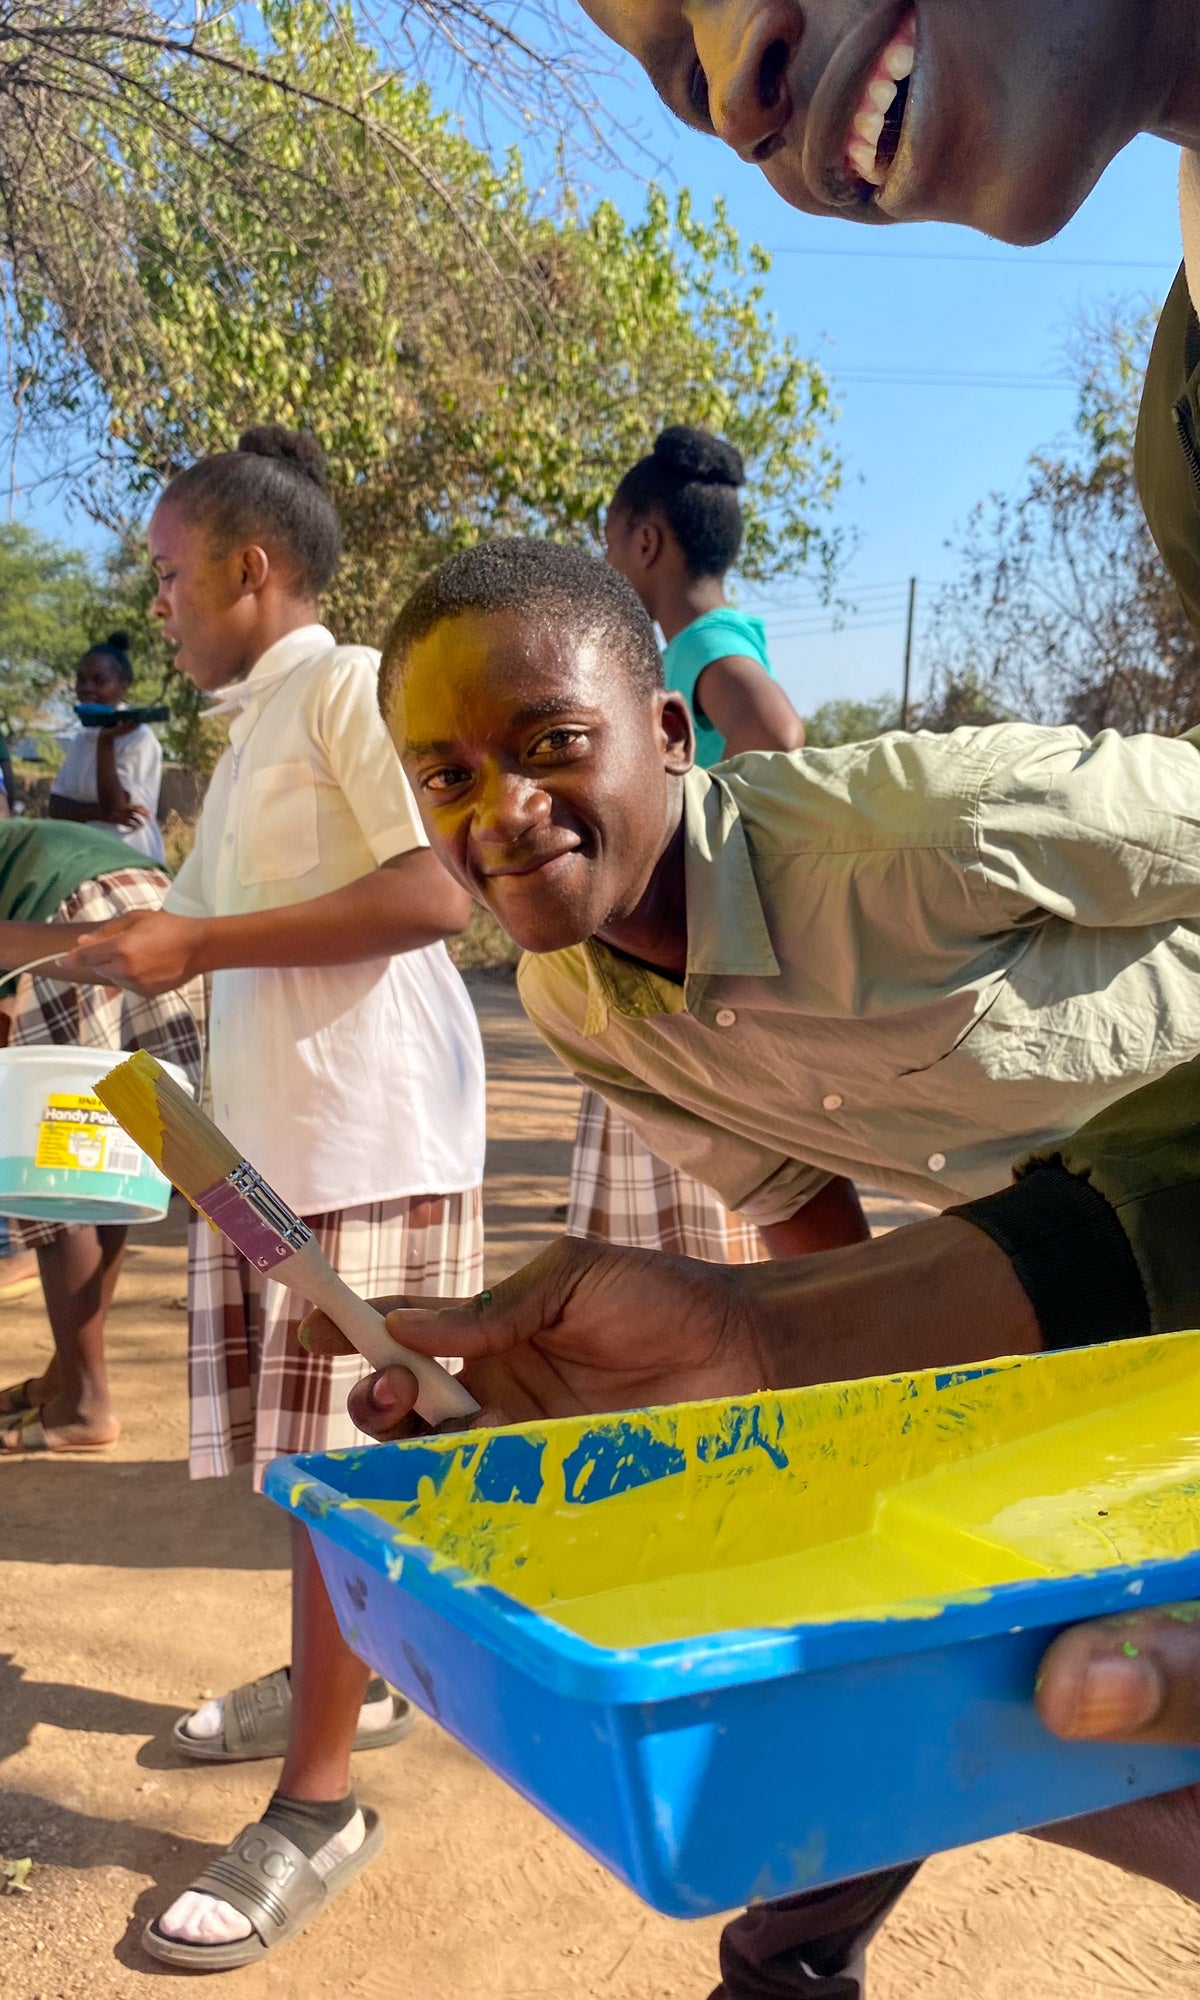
944,351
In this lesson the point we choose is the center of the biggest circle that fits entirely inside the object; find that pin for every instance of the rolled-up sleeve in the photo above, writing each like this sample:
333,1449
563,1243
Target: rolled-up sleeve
1104,1228
1101,831
362,757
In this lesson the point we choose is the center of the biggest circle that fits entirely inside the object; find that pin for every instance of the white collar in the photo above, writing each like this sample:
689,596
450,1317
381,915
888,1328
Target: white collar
273,666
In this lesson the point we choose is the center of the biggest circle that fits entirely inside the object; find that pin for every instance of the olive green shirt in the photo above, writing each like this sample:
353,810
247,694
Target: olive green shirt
1104,1229
909,961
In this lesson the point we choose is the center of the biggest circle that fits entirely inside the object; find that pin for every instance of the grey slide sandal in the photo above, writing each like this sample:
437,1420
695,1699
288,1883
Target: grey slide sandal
265,1876
256,1721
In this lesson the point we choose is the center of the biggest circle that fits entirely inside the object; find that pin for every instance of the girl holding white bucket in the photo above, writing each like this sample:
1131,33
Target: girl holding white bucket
63,874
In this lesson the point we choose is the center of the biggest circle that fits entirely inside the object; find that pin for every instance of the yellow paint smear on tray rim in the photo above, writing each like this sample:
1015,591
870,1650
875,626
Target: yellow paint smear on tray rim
868,1500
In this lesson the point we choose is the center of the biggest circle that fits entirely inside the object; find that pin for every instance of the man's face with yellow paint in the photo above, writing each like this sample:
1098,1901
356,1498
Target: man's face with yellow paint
547,781
997,114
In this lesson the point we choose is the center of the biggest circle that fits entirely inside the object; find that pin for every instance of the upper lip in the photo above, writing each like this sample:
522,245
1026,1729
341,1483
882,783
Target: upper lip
525,864
834,103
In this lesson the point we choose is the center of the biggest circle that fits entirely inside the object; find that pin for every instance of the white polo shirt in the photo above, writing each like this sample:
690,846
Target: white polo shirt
342,1084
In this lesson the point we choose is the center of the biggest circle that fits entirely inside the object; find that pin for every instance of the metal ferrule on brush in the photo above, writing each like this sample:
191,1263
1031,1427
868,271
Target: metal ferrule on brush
253,1217
272,1208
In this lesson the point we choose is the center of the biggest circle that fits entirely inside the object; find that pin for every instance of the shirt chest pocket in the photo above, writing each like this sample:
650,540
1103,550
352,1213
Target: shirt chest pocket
278,835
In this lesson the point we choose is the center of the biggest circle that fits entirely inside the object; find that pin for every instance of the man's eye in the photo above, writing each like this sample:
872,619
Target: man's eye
560,743
697,92
447,779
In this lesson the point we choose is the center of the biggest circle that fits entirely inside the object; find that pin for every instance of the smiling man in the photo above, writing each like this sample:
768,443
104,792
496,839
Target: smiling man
1000,115
997,114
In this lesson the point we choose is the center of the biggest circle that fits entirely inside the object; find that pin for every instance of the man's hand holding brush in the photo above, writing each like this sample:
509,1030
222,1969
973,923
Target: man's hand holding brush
589,1327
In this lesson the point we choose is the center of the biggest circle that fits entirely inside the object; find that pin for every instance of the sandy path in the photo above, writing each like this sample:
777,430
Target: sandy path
126,1594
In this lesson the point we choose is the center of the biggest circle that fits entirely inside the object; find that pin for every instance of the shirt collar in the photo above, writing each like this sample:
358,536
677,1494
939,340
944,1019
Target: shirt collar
727,929
272,667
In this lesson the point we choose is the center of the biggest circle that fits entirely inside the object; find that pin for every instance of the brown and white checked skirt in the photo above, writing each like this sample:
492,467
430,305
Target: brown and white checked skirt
103,1017
253,1392
620,1193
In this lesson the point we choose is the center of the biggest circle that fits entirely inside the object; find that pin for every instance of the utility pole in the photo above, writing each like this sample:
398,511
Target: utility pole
906,700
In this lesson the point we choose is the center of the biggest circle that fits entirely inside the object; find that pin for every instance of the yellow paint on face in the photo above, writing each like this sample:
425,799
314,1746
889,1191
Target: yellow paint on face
864,1500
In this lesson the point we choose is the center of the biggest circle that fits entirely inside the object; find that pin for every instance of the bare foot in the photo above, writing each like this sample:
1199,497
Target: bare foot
65,1429
30,1394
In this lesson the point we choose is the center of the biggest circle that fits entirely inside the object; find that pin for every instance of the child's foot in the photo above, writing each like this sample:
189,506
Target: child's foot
378,1712
328,1833
63,1427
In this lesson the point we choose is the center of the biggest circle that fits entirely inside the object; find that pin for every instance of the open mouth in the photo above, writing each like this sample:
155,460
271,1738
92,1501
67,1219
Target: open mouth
877,126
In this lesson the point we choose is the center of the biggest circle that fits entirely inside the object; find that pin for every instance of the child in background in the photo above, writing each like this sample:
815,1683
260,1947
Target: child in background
674,529
345,1062
77,876
111,778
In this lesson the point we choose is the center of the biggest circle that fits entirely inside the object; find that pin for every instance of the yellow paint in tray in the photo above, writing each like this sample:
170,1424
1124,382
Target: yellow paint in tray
867,1500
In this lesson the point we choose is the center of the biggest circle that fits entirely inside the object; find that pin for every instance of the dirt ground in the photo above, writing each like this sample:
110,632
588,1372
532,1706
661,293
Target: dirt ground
126,1595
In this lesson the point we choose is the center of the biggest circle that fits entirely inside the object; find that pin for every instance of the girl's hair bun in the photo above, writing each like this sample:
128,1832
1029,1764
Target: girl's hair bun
117,642
691,453
294,448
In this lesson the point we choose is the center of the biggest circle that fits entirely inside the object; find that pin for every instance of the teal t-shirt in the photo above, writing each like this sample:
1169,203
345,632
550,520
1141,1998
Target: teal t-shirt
713,636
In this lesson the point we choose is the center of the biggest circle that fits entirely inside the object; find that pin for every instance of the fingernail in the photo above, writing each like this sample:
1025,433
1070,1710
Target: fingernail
305,1338
382,1394
1115,1694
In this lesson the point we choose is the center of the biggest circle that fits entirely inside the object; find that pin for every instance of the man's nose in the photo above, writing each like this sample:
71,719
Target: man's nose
745,51
508,805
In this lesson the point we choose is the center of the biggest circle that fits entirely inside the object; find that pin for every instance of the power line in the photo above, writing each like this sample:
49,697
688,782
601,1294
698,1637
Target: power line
919,378
1032,263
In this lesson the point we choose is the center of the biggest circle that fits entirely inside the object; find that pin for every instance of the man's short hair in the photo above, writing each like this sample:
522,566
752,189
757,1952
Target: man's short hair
545,581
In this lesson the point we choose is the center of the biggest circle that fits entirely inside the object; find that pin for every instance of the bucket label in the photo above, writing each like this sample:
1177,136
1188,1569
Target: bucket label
78,1134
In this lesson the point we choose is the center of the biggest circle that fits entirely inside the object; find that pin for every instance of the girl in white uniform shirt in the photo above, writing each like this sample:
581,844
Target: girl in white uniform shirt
345,1062
111,778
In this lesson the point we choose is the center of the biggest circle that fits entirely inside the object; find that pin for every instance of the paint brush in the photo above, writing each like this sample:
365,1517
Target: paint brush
204,1165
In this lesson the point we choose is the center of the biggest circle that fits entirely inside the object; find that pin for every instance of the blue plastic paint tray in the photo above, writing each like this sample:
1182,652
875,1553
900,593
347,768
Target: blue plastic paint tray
739,1649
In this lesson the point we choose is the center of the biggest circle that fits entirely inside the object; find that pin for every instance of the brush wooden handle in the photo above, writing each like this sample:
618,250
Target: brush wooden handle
440,1395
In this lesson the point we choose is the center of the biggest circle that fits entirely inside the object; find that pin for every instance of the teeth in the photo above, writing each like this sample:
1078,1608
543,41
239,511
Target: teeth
894,66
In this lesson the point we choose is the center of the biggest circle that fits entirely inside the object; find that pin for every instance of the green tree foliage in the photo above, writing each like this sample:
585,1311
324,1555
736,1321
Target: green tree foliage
1063,610
472,359
48,599
845,721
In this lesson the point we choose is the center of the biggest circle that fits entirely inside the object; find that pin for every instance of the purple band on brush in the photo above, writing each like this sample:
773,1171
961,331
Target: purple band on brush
244,1227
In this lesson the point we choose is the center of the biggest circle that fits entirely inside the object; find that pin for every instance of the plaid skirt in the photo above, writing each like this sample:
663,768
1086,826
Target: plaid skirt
253,1392
620,1193
104,1017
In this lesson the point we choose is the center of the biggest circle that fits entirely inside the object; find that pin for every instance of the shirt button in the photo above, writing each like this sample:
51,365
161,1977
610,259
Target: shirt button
833,1102
936,1162
725,1017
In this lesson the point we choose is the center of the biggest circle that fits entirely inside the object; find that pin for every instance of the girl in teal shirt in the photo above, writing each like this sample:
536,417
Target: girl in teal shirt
674,530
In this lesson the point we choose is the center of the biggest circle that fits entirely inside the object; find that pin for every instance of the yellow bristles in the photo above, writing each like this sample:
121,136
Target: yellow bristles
167,1124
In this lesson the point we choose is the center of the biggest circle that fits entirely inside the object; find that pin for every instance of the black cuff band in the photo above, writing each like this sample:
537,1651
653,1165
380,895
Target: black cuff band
1071,1255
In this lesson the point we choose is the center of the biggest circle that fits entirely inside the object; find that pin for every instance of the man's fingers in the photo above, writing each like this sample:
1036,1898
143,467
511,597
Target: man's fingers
513,1310
1133,1679
382,1405
318,1334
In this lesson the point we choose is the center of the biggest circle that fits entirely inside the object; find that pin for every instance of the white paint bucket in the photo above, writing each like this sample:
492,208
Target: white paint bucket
63,1157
